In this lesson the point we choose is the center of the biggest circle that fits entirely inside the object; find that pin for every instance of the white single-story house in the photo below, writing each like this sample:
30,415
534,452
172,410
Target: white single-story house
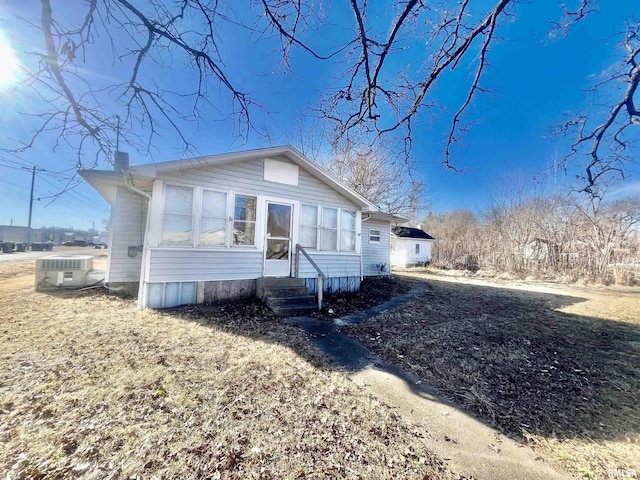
203,229
410,246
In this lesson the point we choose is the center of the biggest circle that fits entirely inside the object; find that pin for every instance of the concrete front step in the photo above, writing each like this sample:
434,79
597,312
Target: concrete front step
285,296
302,300
292,310
276,291
267,283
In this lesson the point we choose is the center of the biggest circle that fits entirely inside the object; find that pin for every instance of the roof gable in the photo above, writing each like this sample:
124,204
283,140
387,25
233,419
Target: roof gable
288,152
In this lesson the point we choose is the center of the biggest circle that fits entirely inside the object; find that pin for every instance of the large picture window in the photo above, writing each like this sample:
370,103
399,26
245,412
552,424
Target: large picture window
309,226
348,231
213,219
177,215
244,220
329,232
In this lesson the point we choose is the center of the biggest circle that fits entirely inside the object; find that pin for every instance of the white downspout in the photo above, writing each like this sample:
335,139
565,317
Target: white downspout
142,291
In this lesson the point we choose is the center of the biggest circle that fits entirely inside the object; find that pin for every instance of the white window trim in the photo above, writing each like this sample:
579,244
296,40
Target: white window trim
379,235
232,219
199,223
355,230
318,212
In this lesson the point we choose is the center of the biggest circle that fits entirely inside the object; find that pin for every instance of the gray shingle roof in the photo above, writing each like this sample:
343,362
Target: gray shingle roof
408,232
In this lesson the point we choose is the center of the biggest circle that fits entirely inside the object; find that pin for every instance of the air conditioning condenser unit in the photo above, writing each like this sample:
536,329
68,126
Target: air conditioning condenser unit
64,271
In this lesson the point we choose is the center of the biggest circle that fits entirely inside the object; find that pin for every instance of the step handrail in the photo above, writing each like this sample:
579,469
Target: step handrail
321,275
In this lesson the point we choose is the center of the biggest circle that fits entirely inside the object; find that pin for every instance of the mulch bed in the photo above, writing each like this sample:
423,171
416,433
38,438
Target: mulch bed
373,291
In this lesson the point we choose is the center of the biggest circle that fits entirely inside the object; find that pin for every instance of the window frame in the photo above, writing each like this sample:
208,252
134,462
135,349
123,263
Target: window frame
371,234
417,249
233,220
342,229
316,227
323,228
164,212
225,244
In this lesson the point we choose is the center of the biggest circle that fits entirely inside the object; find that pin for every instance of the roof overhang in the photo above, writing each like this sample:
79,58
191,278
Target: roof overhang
383,216
106,182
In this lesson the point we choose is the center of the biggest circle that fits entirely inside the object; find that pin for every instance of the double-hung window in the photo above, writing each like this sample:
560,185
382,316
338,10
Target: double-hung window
348,231
374,236
244,220
329,231
177,216
309,226
213,219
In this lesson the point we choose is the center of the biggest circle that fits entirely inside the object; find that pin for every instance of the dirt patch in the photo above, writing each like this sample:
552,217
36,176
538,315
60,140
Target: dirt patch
561,369
91,388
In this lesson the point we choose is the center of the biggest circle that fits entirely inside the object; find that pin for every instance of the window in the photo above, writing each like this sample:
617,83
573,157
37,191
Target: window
374,236
309,226
244,220
176,218
329,232
213,220
348,231
417,248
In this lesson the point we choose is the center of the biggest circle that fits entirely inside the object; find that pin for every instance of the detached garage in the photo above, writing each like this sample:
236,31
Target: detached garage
410,246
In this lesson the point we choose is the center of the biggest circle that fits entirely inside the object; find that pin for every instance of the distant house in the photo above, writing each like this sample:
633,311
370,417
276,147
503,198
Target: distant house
203,229
410,246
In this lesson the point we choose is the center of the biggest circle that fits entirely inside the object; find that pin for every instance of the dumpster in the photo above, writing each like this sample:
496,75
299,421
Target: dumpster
7,247
21,247
48,246
37,247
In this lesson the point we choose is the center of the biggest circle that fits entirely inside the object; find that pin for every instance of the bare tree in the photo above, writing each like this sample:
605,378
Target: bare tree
373,96
379,176
606,143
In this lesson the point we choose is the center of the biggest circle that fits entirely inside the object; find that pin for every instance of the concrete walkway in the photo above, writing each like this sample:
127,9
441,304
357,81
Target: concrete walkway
470,447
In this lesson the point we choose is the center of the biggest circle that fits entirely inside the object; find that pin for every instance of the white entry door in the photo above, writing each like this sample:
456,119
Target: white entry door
277,256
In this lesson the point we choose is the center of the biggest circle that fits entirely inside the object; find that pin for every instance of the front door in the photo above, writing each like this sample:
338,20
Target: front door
277,260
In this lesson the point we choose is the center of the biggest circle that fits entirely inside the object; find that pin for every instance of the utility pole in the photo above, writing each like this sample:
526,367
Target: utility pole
33,179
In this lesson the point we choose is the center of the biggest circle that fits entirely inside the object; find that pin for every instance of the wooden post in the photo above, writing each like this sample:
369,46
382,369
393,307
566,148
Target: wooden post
297,260
320,291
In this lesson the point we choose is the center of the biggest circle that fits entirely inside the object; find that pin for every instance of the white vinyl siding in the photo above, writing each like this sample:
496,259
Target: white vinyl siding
376,253
187,265
126,229
333,265
248,177
410,251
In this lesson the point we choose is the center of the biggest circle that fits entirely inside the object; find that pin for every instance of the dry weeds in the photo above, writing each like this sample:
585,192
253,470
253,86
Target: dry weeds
90,388
559,368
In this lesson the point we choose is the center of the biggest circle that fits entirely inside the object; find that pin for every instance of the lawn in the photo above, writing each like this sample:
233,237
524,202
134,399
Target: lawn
91,388
558,368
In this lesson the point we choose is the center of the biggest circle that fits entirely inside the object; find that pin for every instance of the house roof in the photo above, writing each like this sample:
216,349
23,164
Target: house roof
101,178
408,232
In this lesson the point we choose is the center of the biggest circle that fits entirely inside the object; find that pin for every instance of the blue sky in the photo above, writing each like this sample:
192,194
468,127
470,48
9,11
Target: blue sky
534,80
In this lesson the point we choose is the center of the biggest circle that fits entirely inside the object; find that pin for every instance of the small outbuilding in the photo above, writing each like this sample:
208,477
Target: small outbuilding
410,246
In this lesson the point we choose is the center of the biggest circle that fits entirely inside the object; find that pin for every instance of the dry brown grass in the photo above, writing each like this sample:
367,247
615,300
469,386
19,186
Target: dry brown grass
559,368
90,388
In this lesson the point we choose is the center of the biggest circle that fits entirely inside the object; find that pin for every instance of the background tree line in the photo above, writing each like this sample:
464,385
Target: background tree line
529,233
